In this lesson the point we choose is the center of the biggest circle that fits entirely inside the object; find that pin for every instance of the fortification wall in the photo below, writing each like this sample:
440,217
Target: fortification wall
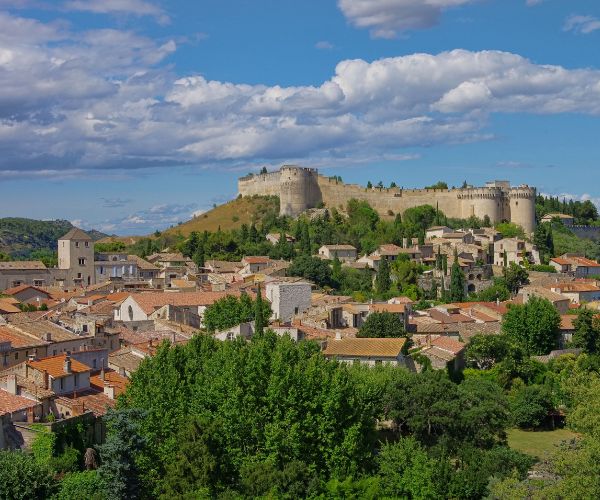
589,232
522,207
261,184
480,202
299,190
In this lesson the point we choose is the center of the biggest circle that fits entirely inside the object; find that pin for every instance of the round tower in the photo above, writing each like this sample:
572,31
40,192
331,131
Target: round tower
299,190
522,207
480,202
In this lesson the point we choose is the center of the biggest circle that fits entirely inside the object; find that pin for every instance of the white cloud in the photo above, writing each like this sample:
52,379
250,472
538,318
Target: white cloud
582,24
105,101
136,8
532,3
388,18
324,45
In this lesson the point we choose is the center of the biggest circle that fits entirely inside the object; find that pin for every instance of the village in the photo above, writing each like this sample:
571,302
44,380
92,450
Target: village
72,337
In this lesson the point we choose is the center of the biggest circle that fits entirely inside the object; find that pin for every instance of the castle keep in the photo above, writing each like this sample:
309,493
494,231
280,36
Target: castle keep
302,188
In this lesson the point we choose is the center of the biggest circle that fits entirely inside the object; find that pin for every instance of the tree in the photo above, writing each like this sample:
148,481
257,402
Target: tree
530,405
260,321
587,331
231,311
369,185
119,469
510,230
543,239
383,280
438,185
534,325
382,325
484,351
22,477
336,270
311,268
457,281
85,485
406,471
515,277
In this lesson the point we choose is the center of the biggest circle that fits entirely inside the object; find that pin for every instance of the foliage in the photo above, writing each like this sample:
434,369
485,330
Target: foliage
543,239
23,477
510,230
530,405
313,269
119,470
438,185
515,277
111,246
534,326
457,281
43,445
498,291
230,311
382,325
484,351
382,280
584,212
84,485
587,331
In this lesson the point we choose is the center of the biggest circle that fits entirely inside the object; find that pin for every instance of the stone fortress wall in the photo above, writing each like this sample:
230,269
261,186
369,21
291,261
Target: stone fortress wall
302,188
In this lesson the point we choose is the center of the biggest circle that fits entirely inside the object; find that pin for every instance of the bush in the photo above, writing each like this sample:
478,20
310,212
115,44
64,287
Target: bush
80,486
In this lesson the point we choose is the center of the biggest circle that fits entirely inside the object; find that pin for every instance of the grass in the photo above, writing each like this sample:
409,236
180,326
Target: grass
538,444
230,215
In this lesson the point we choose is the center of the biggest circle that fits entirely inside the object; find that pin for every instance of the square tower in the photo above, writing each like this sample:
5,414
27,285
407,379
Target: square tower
76,256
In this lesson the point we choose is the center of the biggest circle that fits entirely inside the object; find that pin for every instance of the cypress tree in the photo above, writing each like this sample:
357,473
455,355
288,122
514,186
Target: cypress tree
383,280
259,319
457,281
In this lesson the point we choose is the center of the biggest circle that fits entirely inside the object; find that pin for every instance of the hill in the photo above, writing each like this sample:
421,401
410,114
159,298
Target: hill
231,215
19,237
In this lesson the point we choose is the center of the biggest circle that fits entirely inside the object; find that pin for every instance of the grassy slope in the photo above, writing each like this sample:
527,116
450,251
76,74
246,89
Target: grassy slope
538,443
230,215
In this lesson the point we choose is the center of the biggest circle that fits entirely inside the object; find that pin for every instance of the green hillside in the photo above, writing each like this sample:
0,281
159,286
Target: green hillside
28,238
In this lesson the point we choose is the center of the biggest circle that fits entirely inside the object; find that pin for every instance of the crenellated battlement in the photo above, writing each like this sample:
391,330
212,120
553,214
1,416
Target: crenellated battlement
300,188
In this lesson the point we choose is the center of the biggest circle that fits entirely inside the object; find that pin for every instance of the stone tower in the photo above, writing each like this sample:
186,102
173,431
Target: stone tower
76,257
299,190
522,207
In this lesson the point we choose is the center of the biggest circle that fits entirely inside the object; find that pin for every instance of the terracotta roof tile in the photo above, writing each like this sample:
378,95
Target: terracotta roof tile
112,378
150,301
9,403
54,365
23,265
388,348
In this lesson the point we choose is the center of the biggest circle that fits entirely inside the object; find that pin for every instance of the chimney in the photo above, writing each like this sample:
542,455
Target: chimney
46,380
338,336
31,357
102,374
122,371
11,384
47,336
67,363
109,391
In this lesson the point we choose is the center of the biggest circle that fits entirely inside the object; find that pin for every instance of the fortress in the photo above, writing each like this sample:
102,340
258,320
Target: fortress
301,188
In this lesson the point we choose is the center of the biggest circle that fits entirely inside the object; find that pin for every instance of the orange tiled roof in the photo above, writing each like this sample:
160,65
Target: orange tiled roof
112,378
361,347
150,301
20,288
54,365
23,264
8,307
18,339
448,344
385,307
9,403
256,259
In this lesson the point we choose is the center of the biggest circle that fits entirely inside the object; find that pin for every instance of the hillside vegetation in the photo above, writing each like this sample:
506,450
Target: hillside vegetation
20,238
231,215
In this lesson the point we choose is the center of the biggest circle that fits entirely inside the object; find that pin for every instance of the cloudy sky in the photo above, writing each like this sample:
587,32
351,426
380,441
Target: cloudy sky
131,115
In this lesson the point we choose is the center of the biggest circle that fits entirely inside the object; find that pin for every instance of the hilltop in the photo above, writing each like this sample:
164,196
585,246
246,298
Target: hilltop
231,215
20,237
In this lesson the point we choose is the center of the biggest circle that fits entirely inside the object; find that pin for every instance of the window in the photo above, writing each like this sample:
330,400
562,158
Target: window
94,363
130,313
17,283
84,328
16,355
378,362
62,384
76,244
87,244
76,379
81,261
101,269
38,282
79,276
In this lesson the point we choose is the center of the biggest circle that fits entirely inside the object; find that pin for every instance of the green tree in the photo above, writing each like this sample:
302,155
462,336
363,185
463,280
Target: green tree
515,277
231,311
119,469
530,405
587,331
543,239
313,269
382,325
484,351
457,281
383,280
260,320
510,230
85,485
534,326
23,477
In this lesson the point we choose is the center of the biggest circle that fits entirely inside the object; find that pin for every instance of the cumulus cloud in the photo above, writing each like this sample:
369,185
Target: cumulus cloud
115,202
582,24
136,8
387,18
145,221
106,100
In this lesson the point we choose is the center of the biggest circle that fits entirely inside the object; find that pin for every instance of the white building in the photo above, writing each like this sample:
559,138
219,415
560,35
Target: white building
288,299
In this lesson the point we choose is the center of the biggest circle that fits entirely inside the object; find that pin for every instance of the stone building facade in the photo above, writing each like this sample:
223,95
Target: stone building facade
302,188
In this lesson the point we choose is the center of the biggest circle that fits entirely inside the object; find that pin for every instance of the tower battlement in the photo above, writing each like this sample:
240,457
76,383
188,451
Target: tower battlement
301,188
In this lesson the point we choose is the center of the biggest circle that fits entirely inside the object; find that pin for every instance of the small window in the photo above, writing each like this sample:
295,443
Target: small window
82,262
94,363
84,328
130,313
76,244
16,355
76,379
62,384
87,244
79,275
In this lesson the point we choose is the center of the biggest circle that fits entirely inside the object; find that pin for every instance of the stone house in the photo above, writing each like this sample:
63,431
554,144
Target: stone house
576,265
288,299
367,351
515,250
345,253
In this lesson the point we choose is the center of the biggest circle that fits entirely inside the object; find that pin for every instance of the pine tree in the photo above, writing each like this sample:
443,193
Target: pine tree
457,281
336,270
305,247
383,280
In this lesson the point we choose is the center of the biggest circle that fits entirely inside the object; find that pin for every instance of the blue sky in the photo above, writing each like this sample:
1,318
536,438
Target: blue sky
130,115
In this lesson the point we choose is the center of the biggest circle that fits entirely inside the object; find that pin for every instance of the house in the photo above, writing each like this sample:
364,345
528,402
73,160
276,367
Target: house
147,306
367,351
345,253
76,258
567,220
444,353
28,294
24,272
558,300
576,265
437,232
402,310
255,264
17,408
515,250
288,299
578,293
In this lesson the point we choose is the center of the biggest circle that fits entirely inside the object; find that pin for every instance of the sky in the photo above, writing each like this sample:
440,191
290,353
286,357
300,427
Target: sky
129,116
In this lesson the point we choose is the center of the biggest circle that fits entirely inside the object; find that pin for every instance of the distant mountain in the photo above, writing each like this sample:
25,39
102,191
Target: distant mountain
19,238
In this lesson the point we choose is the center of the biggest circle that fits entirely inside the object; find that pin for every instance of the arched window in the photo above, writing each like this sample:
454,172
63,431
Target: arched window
130,313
